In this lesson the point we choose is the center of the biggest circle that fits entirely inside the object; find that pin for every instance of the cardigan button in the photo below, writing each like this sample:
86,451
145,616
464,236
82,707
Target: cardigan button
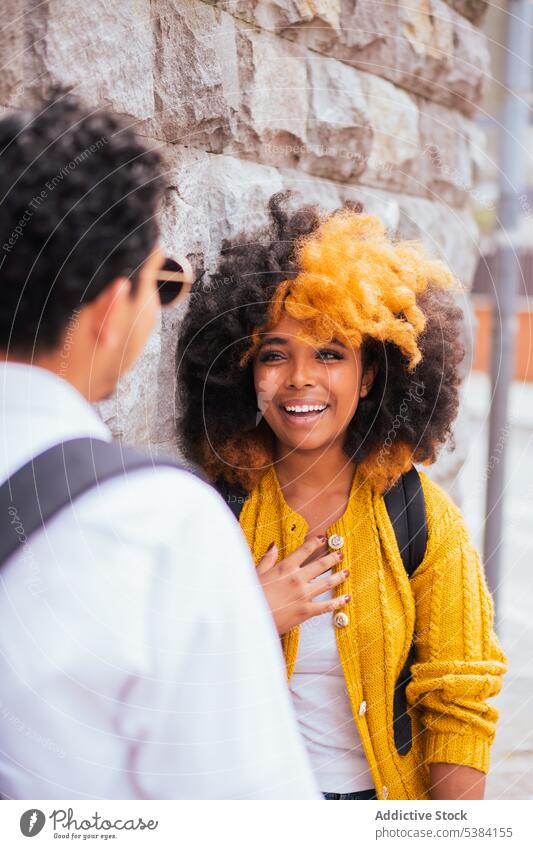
335,541
362,709
341,620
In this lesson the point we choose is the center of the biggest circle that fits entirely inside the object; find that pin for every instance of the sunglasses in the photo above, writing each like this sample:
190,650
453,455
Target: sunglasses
174,281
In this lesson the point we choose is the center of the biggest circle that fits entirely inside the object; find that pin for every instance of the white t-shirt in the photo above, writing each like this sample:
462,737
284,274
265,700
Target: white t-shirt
323,710
138,658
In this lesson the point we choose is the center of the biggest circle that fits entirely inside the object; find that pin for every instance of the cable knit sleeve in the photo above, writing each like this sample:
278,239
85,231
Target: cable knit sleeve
459,662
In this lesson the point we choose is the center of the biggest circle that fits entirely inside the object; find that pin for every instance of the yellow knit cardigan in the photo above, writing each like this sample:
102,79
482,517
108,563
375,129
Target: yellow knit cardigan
446,605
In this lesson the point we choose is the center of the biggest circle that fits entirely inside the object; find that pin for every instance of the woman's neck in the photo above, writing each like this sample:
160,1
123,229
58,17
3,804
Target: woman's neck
313,472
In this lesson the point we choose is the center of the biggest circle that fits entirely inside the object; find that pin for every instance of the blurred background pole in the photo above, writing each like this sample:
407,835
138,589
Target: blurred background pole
512,186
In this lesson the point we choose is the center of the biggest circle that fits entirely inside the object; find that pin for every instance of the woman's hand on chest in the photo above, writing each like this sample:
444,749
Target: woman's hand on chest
290,586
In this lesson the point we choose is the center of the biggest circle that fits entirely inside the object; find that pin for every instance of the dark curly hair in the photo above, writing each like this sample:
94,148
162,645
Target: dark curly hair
412,335
79,194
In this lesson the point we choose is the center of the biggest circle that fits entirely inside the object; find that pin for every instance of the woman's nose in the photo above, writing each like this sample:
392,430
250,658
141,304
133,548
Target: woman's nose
300,375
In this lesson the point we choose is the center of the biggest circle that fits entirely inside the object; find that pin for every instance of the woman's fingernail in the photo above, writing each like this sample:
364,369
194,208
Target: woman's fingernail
271,546
347,598
321,537
340,555
346,573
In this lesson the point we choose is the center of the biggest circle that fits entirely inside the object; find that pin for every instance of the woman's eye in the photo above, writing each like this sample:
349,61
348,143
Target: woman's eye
326,354
270,356
276,356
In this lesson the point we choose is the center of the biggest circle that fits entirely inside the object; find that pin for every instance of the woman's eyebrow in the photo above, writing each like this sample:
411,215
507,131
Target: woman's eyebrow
275,340
281,340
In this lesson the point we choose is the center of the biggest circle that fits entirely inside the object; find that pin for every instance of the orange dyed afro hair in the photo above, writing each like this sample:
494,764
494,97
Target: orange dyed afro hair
355,282
343,277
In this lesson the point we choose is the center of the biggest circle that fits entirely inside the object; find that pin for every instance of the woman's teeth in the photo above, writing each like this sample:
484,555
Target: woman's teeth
306,408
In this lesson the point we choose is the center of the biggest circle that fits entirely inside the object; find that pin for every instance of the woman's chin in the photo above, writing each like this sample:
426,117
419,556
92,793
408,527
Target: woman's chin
307,442
300,436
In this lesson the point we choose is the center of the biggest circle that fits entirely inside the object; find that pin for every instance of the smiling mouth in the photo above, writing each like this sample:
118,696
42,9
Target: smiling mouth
304,411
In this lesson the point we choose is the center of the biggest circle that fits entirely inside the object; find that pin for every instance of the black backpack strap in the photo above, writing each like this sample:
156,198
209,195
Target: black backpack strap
234,496
51,481
407,511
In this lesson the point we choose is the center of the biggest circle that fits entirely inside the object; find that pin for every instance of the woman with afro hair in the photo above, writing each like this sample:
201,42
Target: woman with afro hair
319,365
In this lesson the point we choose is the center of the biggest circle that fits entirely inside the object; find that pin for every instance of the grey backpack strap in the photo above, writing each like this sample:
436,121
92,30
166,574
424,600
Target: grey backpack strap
51,481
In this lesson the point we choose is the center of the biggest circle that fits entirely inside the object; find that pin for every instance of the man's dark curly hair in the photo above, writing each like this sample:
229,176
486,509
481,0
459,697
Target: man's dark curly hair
321,269
79,192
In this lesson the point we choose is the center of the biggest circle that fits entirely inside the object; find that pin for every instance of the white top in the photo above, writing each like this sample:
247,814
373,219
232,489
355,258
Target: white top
323,709
131,629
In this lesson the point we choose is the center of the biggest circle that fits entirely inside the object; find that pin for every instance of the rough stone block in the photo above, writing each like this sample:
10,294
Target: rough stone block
297,109
101,51
131,412
184,216
238,193
277,98
474,10
446,230
395,145
425,46
339,130
12,43
445,162
190,104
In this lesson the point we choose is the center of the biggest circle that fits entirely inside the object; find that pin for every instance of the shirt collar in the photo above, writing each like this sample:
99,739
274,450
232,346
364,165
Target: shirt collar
39,409
32,388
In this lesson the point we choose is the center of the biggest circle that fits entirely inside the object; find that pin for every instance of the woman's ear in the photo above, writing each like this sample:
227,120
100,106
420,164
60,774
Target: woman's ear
369,375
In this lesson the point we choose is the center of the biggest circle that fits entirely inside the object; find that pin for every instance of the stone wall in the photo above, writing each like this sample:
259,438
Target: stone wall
339,99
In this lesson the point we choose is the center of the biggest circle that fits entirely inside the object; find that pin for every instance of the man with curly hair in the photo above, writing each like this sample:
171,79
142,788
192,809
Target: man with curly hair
126,664
321,374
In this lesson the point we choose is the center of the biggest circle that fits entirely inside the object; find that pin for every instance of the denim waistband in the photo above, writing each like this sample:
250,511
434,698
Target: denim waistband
360,794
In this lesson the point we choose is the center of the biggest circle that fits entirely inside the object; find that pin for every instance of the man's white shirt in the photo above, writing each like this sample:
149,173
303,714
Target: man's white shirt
138,658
